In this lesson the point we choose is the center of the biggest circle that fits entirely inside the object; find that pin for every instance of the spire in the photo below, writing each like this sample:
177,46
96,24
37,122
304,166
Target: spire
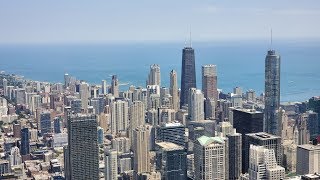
271,39
190,38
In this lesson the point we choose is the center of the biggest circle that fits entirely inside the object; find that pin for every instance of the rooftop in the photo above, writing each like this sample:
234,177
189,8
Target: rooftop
169,146
263,135
251,111
309,147
205,140
174,124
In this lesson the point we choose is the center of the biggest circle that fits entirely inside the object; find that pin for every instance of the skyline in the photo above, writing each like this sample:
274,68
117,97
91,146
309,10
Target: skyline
108,22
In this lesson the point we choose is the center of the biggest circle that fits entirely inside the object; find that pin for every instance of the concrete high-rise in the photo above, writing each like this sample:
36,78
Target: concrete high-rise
196,105
111,164
115,86
210,158
98,105
308,159
209,82
266,140
119,116
141,140
210,108
104,88
136,116
263,164
188,75
15,157
154,77
82,151
5,84
174,90
84,95
272,93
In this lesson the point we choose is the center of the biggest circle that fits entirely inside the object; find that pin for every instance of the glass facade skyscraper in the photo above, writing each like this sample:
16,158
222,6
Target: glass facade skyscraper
272,93
25,147
188,76
82,151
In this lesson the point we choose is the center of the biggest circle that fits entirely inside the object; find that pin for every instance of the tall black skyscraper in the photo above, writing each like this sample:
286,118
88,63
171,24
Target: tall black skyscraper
25,145
188,76
81,154
272,93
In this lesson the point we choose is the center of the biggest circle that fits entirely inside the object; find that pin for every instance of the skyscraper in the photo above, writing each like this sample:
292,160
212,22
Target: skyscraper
25,147
174,90
154,77
5,84
235,155
119,116
45,122
115,86
104,87
172,161
141,140
171,132
266,140
263,164
196,105
66,80
188,75
137,116
209,81
308,159
57,125
272,93
213,166
111,164
84,95
82,156
15,157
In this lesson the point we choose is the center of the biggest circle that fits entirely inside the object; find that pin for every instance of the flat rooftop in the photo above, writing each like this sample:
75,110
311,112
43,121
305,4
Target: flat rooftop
309,147
263,136
250,111
169,146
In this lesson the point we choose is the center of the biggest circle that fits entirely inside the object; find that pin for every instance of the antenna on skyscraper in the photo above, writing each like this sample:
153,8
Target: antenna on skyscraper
271,39
190,38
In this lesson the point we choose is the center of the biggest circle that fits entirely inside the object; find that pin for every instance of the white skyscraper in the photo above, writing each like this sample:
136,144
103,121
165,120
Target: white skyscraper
84,95
154,77
174,90
111,164
137,116
308,159
210,158
263,164
104,87
15,157
5,84
141,138
119,116
196,105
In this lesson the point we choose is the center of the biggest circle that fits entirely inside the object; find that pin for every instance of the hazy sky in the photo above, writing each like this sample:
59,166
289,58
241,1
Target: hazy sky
44,21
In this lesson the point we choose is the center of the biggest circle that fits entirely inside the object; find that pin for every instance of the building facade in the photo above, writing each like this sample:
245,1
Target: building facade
188,75
272,93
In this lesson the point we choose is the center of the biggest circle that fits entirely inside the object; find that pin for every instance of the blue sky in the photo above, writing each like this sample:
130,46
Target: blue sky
73,21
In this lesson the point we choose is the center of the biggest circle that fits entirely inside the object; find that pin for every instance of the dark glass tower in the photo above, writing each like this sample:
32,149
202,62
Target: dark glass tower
188,76
82,160
272,92
25,147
